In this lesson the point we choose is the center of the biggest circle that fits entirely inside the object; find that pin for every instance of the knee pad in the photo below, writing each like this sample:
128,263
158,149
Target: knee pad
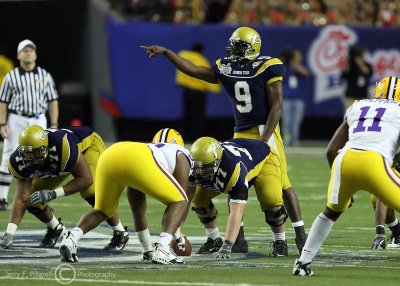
37,209
276,218
206,215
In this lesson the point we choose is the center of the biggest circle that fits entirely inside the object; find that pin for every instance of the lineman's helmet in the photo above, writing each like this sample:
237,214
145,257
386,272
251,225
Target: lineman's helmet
33,145
206,153
168,135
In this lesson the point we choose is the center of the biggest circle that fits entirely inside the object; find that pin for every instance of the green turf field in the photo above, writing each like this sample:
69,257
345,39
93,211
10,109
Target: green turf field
345,259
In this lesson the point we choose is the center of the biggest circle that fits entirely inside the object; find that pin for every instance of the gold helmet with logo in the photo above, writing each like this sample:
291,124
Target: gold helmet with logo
244,44
388,88
168,135
33,145
206,153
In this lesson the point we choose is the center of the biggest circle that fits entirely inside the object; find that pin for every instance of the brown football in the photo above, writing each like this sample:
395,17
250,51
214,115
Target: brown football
186,252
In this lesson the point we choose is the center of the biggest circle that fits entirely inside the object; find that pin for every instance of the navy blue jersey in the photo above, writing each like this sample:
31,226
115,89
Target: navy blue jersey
242,160
65,147
247,88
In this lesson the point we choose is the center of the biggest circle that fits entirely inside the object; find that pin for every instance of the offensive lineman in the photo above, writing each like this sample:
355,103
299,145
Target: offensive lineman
232,167
44,159
254,84
367,140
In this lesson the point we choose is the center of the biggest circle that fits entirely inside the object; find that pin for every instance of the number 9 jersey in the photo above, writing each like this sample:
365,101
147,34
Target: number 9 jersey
374,124
247,87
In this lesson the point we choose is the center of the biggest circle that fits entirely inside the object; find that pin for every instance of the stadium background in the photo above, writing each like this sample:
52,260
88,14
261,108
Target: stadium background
96,61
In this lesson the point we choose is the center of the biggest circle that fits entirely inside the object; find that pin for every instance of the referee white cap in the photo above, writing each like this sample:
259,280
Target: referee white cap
25,43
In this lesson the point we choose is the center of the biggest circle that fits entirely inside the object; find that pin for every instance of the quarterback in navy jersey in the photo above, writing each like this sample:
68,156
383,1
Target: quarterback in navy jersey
246,86
43,161
254,85
232,167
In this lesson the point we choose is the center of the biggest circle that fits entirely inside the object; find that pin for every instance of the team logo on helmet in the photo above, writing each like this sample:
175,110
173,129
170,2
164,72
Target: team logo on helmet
168,135
388,88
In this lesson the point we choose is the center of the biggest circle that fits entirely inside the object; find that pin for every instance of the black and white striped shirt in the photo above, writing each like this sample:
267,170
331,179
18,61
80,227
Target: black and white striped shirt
28,91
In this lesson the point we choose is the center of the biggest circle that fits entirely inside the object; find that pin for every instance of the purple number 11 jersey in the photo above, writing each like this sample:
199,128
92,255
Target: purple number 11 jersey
374,124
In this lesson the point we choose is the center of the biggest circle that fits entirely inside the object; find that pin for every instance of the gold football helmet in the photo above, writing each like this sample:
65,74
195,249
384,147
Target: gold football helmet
168,135
33,145
206,153
388,88
244,44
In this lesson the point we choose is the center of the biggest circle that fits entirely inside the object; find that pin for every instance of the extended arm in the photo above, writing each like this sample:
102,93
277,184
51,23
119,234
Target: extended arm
204,73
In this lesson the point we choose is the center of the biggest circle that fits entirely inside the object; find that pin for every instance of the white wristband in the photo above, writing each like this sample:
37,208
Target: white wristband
60,192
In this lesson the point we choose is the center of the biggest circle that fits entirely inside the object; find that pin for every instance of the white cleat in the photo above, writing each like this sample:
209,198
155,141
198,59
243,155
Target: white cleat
300,269
68,249
164,255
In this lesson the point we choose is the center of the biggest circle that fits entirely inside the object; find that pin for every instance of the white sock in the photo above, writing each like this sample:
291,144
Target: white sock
319,231
279,236
53,223
118,227
213,233
11,228
165,238
77,233
145,239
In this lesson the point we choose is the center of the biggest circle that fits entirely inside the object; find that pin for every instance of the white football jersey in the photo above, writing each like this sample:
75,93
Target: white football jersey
374,124
166,154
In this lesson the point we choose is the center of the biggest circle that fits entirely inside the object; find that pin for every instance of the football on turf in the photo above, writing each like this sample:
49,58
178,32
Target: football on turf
186,252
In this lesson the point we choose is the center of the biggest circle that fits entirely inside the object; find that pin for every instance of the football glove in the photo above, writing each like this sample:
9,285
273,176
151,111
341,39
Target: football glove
396,162
224,253
42,196
181,243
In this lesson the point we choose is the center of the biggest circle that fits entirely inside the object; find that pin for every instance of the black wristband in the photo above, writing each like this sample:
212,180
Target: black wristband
3,124
165,52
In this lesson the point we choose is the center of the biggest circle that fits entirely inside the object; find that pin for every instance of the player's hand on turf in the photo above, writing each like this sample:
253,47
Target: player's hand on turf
42,196
224,253
153,51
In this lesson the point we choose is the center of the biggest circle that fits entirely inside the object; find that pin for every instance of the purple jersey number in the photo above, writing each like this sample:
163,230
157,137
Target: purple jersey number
375,124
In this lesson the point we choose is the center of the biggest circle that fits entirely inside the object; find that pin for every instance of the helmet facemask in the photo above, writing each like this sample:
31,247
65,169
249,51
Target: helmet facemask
237,50
33,156
206,153
244,45
33,145
205,173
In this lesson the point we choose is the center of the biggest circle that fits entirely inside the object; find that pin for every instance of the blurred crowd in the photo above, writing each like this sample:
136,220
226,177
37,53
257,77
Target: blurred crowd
370,13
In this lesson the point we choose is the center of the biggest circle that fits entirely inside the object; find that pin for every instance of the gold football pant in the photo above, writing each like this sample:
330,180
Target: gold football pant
362,170
133,164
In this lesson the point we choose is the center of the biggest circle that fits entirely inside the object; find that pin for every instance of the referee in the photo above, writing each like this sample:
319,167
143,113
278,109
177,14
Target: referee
25,95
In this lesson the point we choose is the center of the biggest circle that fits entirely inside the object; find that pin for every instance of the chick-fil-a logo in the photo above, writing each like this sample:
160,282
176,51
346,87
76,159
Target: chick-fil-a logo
327,57
386,63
